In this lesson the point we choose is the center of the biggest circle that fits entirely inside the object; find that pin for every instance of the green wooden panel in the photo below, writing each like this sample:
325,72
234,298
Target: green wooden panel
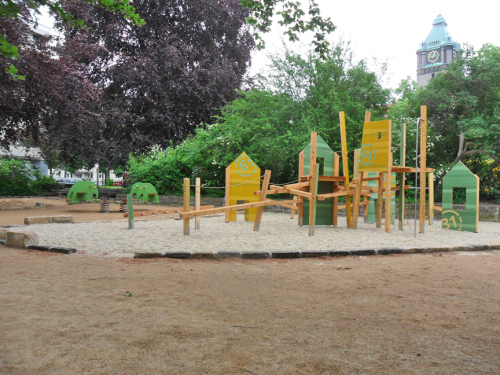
324,209
83,191
466,219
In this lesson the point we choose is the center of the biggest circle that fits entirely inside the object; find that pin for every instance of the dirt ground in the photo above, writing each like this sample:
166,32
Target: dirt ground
81,213
405,314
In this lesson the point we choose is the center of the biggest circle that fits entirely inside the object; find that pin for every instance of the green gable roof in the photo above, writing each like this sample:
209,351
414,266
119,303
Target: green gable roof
439,36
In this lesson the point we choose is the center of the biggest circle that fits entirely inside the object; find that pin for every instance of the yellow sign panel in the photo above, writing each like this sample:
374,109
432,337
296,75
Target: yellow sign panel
244,177
375,146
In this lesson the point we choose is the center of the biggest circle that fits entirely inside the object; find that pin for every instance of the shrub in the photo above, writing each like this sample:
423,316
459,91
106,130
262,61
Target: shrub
20,177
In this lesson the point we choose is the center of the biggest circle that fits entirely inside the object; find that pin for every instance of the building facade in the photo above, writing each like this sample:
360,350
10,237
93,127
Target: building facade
435,53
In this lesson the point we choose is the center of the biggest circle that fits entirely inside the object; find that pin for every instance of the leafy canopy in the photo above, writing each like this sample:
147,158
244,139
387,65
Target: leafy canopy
21,9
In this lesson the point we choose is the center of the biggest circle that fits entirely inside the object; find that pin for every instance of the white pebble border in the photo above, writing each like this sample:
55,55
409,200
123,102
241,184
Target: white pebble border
277,232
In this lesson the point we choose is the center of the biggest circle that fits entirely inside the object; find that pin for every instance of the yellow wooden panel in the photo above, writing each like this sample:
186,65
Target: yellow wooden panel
375,146
242,171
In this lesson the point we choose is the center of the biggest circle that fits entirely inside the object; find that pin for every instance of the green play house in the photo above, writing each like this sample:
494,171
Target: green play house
460,177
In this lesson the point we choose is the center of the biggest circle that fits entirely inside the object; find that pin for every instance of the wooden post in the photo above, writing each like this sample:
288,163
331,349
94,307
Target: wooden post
431,197
368,117
186,206
263,193
314,146
388,198
130,206
313,189
336,172
345,166
380,199
197,203
301,199
226,200
423,165
294,204
402,182
314,185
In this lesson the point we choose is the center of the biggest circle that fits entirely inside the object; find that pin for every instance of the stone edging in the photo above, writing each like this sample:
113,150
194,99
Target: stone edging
312,253
282,254
52,249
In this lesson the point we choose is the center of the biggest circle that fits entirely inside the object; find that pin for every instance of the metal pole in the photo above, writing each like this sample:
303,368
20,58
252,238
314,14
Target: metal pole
130,212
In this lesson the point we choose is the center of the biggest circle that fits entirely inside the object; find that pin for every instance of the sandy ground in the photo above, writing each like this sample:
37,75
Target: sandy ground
405,314
80,212
277,232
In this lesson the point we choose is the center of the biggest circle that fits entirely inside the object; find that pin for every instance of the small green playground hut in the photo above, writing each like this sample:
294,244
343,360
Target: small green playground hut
460,177
83,191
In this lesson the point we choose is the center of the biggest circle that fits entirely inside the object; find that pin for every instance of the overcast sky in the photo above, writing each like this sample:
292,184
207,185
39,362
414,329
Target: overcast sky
392,29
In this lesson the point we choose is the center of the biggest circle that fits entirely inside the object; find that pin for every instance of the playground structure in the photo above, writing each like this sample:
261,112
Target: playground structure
83,191
145,191
375,182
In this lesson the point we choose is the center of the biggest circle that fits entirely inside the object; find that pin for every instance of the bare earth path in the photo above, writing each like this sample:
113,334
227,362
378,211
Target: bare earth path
407,314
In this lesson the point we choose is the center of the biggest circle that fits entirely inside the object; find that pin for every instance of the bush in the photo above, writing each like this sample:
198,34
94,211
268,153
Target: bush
20,177
109,182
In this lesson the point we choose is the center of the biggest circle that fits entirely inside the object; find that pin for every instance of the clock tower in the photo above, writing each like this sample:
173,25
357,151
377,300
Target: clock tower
435,53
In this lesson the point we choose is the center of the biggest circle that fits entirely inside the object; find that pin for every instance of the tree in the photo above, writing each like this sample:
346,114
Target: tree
464,103
10,9
161,80
59,105
291,13
272,124
261,13
324,87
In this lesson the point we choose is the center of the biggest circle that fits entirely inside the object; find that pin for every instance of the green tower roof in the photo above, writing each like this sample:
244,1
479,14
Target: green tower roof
439,36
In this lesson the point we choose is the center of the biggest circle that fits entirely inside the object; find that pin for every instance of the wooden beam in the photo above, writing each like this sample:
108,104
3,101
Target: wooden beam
431,197
226,198
438,208
402,158
388,197
197,202
343,207
300,214
263,193
236,207
368,116
336,171
299,193
337,194
380,199
295,201
314,146
345,165
186,191
312,200
174,210
357,200
387,202
423,165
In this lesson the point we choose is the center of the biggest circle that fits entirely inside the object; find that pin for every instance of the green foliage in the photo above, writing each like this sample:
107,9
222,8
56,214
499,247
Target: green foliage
16,9
291,16
272,126
109,182
464,116
19,177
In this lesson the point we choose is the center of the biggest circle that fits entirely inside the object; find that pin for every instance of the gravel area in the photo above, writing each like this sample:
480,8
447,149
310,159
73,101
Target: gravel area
277,232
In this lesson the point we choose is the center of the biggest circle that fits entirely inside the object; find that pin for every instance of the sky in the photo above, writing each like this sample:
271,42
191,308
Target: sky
391,30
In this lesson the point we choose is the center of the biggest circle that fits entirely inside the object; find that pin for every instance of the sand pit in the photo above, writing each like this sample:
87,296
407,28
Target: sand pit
277,232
